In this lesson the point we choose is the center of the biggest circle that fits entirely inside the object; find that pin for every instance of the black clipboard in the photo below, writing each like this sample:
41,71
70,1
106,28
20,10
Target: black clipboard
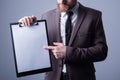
29,55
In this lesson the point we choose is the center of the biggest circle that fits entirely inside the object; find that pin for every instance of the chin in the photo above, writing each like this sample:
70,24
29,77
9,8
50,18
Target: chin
63,8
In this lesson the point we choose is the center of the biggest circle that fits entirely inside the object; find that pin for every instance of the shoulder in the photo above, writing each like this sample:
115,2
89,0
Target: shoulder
50,13
90,11
93,11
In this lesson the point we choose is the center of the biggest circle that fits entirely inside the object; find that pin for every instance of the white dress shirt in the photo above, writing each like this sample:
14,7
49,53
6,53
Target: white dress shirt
63,19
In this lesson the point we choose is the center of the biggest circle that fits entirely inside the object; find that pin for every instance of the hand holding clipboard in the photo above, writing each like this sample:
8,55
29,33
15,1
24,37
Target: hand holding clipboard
30,56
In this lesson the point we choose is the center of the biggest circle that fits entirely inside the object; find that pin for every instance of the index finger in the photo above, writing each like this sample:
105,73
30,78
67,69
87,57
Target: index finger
49,47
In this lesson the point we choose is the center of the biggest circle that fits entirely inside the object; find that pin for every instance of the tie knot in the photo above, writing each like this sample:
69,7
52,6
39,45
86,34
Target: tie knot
69,13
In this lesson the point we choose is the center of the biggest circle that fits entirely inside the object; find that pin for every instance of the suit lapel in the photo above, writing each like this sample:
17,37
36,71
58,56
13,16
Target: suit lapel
56,29
57,26
80,18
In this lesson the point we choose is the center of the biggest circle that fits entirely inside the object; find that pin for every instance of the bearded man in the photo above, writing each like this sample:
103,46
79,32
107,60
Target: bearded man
77,40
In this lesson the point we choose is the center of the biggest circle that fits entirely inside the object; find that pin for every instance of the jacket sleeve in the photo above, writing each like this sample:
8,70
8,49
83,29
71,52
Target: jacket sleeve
94,53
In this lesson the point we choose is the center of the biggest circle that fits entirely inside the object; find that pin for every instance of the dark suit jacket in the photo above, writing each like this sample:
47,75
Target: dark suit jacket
87,44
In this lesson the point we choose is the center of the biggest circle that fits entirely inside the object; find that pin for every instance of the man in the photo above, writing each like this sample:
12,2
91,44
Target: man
85,45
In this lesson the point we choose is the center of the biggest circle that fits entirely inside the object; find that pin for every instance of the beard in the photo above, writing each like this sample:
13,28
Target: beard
63,7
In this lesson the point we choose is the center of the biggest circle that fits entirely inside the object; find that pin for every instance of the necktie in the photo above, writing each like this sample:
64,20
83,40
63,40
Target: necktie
68,27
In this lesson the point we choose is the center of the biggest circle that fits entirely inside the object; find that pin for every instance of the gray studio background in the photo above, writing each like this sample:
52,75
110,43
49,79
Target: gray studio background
12,10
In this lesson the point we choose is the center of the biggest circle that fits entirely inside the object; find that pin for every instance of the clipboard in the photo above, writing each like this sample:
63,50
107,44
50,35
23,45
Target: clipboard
29,55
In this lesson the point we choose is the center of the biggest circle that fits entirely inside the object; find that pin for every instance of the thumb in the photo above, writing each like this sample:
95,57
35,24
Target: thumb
57,43
34,18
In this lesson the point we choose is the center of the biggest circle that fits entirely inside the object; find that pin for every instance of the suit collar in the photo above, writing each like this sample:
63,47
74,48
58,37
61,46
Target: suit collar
80,18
